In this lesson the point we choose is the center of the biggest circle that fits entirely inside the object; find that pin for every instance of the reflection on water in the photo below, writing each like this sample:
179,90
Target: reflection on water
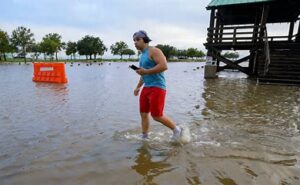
251,103
87,131
147,167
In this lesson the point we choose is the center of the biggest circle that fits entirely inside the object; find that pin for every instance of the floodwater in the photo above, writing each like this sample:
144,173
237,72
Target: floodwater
87,131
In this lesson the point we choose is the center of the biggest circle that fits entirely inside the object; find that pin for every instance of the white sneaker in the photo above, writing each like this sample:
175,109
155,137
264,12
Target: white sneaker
183,136
177,134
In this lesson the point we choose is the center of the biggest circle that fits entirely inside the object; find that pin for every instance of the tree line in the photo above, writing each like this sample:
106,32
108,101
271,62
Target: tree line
21,42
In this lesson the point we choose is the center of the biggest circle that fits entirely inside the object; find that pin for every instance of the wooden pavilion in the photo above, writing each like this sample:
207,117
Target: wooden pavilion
242,25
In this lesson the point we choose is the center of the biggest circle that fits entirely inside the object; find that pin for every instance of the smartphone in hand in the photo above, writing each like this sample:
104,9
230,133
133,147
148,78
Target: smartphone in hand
134,67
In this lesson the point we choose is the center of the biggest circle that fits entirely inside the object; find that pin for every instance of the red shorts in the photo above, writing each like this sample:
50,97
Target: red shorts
152,99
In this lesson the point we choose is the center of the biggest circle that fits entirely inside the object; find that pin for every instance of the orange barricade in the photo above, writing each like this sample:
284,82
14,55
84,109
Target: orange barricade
49,72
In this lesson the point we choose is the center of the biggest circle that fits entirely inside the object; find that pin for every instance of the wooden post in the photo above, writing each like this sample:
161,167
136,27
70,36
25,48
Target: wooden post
221,32
298,34
291,31
219,41
255,29
212,21
217,36
234,36
217,28
255,64
211,31
253,51
251,61
264,17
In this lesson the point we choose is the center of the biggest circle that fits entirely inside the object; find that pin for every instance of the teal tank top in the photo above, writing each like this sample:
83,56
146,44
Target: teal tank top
152,80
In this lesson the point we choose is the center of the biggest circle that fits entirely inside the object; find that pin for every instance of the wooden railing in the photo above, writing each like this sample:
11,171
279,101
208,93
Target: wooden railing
241,34
280,38
233,34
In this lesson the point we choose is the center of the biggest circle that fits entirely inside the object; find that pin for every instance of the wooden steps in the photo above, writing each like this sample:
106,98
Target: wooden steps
284,67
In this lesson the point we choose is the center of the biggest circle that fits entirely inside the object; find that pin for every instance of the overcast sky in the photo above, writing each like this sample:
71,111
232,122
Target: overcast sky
180,23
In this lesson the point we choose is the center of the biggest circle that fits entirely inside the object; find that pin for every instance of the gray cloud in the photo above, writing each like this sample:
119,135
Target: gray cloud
181,23
176,22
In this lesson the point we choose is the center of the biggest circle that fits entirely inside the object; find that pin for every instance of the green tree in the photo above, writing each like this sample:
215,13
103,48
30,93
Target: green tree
63,46
35,48
98,47
118,48
182,54
128,52
167,50
4,44
200,54
71,49
84,46
49,46
21,38
192,52
232,55
54,43
90,45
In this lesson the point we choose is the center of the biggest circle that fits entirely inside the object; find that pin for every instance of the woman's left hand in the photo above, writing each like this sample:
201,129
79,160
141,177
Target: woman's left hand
141,71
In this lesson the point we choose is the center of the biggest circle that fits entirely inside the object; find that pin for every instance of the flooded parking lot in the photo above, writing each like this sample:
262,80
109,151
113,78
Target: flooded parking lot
87,131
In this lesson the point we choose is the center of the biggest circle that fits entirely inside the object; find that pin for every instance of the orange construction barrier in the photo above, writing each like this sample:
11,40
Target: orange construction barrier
49,72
